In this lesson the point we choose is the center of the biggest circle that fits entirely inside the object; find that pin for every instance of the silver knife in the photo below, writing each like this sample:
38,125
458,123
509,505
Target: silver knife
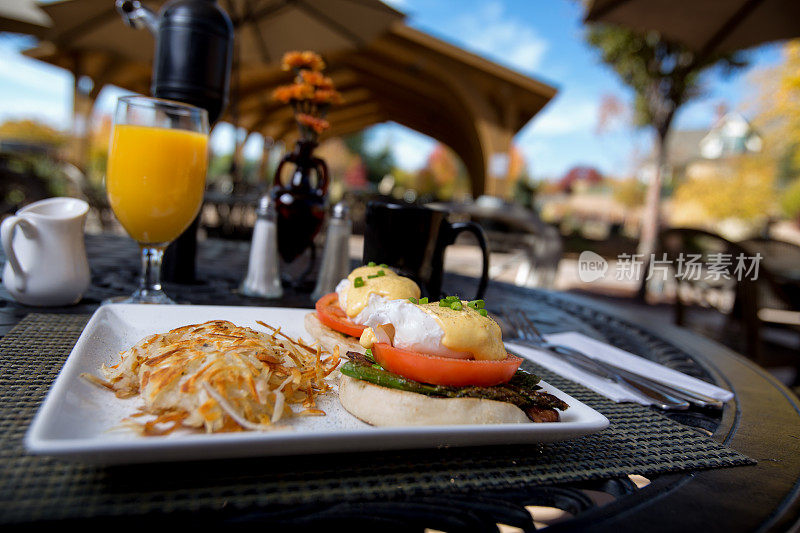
658,397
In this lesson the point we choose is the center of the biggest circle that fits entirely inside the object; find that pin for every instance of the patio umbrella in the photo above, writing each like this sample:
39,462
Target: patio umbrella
23,16
265,29
705,26
88,37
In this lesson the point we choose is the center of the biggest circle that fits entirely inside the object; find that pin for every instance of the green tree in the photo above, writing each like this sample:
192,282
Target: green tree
379,163
663,76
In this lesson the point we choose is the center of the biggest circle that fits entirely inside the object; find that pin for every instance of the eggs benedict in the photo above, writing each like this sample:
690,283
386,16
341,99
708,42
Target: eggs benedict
430,363
340,315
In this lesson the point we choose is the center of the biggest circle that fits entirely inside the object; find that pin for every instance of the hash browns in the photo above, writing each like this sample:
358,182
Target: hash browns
220,377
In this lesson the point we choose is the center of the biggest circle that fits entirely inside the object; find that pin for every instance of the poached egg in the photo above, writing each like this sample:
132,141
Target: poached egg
367,282
432,329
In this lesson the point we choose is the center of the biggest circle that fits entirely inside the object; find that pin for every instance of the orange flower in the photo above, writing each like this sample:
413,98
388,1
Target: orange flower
295,91
318,125
327,96
316,79
302,60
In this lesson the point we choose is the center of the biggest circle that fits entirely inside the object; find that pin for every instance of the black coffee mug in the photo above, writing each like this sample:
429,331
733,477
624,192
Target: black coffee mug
412,240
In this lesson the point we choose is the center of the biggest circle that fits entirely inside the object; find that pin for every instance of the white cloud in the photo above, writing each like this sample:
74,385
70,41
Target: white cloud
564,116
490,32
32,74
30,89
55,113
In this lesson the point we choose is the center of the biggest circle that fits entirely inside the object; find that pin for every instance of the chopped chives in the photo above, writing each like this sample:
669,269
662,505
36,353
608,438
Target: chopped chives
383,265
483,312
371,264
413,300
444,303
380,273
423,300
456,306
358,282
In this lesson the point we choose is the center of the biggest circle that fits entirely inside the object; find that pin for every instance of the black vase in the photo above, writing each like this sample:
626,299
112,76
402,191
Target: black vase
300,205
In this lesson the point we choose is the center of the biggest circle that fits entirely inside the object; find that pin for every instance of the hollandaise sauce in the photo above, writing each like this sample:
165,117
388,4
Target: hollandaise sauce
452,331
466,330
380,280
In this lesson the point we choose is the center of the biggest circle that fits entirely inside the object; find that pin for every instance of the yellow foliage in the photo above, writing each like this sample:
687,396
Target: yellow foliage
744,190
780,102
31,131
790,200
629,192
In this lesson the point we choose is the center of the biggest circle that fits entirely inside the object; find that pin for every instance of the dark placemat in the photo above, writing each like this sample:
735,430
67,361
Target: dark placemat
639,441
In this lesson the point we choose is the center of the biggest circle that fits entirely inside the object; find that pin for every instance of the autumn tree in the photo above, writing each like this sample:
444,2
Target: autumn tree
790,201
663,76
444,175
378,162
629,192
31,131
778,120
741,189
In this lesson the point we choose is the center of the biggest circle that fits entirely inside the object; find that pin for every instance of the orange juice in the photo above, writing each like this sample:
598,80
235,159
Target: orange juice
155,180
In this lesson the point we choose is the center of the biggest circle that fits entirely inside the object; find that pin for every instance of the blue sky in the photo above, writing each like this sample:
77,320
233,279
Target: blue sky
540,38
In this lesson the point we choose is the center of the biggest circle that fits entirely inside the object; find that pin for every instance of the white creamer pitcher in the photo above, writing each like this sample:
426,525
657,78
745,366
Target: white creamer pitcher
46,259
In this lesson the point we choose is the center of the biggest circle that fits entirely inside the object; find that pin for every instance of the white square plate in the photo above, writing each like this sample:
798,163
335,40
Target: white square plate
79,420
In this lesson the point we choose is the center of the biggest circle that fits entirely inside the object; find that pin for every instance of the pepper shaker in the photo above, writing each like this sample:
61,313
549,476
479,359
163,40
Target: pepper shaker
263,277
336,256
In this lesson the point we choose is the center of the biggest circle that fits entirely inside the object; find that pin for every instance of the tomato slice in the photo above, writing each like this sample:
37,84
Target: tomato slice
331,314
444,370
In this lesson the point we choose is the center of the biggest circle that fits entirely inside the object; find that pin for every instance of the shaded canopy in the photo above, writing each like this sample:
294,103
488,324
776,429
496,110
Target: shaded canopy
403,75
406,76
705,26
22,16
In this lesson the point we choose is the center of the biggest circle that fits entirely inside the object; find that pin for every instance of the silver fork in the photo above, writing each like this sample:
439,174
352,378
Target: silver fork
693,397
659,395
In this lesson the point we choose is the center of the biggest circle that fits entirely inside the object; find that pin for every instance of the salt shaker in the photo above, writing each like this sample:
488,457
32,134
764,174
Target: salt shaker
263,277
336,256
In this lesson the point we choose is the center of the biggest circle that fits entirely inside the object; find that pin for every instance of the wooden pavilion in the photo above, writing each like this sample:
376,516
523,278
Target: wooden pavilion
467,102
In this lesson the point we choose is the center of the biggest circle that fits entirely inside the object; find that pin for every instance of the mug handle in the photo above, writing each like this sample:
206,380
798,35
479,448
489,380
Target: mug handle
476,230
7,237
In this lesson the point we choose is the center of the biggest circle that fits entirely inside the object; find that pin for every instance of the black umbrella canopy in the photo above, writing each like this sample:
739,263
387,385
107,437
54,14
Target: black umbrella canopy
705,26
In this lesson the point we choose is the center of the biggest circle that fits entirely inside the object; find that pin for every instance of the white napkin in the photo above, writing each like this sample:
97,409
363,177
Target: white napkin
610,354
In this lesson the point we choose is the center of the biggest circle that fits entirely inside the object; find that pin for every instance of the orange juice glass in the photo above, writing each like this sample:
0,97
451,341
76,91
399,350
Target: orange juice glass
155,179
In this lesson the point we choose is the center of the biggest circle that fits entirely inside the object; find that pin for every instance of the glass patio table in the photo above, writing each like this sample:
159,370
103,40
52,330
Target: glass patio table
762,422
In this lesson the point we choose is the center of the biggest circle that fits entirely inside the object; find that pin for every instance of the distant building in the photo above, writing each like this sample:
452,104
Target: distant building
579,177
731,135
698,153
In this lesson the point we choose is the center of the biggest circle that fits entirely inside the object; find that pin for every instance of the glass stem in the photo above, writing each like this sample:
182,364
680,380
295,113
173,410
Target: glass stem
150,281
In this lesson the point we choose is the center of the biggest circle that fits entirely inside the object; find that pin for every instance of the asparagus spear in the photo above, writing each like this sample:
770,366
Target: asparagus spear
521,390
